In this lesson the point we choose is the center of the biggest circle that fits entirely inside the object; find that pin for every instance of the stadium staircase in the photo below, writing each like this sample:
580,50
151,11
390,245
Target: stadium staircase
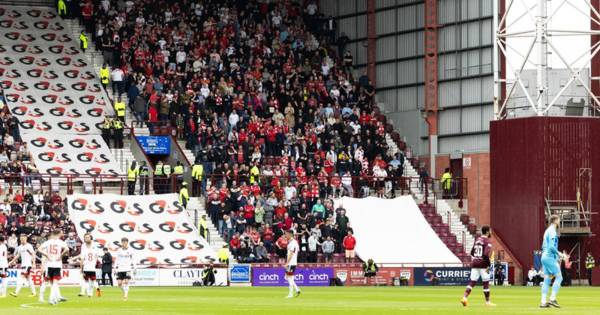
125,155
189,154
196,208
453,229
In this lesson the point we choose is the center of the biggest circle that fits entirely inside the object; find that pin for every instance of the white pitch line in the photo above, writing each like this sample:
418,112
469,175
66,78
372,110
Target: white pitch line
31,305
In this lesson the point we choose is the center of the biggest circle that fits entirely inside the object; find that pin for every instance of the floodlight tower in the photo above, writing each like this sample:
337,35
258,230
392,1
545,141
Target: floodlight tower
541,45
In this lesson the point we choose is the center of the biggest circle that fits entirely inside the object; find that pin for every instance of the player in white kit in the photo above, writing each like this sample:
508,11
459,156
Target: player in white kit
26,254
3,267
89,259
291,262
125,267
53,251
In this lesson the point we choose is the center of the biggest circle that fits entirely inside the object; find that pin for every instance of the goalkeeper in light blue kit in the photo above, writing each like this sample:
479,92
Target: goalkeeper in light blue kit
551,263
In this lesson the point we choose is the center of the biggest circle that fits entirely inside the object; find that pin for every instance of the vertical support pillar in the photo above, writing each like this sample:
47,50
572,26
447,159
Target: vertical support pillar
371,41
431,79
595,64
542,67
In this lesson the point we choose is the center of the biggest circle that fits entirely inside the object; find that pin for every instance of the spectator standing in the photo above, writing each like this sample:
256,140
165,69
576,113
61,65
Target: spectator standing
117,76
349,244
328,248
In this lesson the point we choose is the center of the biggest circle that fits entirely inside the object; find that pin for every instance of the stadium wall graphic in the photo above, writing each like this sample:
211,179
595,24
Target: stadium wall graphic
158,228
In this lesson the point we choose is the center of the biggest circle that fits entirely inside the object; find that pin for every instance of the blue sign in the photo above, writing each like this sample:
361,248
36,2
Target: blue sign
155,144
239,274
442,276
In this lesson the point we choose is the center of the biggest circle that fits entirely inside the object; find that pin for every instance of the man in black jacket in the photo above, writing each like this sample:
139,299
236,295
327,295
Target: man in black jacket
107,262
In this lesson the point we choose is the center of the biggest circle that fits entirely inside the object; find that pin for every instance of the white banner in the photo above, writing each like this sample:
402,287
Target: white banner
49,84
71,154
158,228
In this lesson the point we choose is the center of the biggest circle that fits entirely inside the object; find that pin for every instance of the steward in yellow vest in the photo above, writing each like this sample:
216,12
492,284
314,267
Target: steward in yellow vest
120,109
197,173
104,75
132,174
184,197
83,41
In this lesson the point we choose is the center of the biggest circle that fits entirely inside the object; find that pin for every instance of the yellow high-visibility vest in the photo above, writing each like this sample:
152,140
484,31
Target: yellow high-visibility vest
132,173
178,170
223,255
254,173
62,7
158,170
104,74
120,109
203,227
183,195
118,124
84,40
197,172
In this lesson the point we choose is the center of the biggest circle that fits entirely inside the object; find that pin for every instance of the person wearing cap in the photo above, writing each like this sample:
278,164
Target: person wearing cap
184,196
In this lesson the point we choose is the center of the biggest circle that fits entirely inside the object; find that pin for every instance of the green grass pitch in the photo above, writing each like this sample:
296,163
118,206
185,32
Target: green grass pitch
323,300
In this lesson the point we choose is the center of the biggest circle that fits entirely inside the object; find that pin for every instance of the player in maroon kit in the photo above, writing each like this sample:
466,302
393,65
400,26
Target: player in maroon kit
480,265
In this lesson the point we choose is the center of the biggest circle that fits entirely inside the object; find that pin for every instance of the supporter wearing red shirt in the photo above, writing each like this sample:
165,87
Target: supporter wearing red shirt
281,247
267,236
234,243
349,244
249,214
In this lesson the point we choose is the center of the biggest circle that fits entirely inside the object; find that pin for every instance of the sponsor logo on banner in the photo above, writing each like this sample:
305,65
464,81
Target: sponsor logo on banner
275,276
187,277
158,229
69,276
355,276
239,274
145,277
443,276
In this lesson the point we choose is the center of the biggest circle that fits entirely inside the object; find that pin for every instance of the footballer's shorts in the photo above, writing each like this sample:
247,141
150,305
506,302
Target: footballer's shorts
124,275
53,273
482,273
3,272
290,270
89,275
551,266
27,272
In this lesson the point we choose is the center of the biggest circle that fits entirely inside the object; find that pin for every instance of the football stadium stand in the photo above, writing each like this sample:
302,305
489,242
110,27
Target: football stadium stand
259,99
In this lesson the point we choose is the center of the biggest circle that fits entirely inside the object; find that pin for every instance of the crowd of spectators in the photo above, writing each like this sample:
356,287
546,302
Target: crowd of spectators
36,216
264,93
